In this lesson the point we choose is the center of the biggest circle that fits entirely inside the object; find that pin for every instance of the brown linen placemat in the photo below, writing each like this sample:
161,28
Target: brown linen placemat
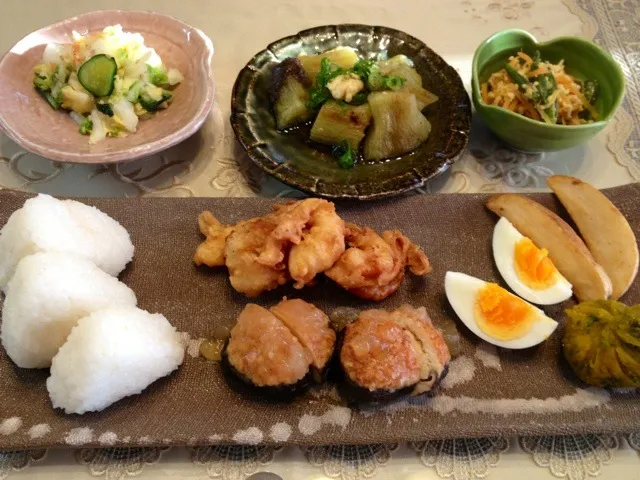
524,392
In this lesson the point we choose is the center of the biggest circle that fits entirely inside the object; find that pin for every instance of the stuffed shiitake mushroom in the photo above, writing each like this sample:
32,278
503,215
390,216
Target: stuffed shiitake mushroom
281,350
385,355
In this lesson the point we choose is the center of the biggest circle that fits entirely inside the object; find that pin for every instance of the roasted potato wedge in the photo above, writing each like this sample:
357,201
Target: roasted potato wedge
603,228
566,249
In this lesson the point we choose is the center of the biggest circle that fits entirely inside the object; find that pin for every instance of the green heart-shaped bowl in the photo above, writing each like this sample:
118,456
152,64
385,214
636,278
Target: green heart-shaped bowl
583,59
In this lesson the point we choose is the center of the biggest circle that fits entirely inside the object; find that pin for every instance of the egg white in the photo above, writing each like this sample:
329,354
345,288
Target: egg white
505,238
462,291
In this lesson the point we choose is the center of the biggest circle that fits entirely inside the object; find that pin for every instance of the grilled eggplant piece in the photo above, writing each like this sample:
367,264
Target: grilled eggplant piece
424,97
289,93
398,125
279,352
344,57
336,122
400,66
386,355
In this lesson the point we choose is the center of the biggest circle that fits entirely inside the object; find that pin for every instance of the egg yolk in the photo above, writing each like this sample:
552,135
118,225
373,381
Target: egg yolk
501,315
533,265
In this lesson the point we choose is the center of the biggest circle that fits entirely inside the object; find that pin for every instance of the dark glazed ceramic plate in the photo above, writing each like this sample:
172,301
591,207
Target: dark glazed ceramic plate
294,160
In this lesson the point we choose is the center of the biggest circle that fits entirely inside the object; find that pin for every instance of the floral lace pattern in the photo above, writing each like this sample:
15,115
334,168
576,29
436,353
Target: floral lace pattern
462,459
45,172
350,462
634,440
18,460
575,457
507,9
212,163
118,463
614,24
232,462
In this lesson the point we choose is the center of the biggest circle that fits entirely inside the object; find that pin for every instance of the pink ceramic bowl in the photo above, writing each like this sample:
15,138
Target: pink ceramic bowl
29,120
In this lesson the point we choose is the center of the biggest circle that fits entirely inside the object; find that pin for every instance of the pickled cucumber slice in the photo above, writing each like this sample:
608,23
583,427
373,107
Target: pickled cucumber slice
97,75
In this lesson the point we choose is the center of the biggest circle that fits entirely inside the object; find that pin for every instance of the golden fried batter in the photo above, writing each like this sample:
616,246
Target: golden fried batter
373,266
301,239
320,241
298,240
242,249
211,251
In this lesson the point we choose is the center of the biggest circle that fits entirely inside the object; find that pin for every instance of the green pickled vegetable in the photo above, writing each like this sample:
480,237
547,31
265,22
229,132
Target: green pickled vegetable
86,127
134,92
105,108
98,74
54,102
44,78
150,104
212,350
157,76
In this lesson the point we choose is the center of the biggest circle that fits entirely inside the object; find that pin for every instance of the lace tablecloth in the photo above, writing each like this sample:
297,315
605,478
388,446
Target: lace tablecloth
212,164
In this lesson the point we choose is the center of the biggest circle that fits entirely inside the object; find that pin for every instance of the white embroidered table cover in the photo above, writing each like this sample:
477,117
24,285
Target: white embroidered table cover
212,164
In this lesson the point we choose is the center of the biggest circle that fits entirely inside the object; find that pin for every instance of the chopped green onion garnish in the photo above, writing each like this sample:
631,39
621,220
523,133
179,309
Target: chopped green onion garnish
393,83
346,157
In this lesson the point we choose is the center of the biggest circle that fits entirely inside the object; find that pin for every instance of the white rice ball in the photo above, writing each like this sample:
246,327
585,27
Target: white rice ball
111,354
47,224
46,297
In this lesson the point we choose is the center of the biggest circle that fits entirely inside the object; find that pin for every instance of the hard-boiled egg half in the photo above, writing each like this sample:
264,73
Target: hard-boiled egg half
496,315
527,269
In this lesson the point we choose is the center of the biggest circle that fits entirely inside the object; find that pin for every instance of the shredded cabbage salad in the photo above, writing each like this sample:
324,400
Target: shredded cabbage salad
108,80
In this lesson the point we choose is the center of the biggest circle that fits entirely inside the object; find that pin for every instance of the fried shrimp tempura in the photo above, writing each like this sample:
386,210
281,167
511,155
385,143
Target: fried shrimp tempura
319,237
211,251
239,247
373,267
298,240
242,250
301,239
